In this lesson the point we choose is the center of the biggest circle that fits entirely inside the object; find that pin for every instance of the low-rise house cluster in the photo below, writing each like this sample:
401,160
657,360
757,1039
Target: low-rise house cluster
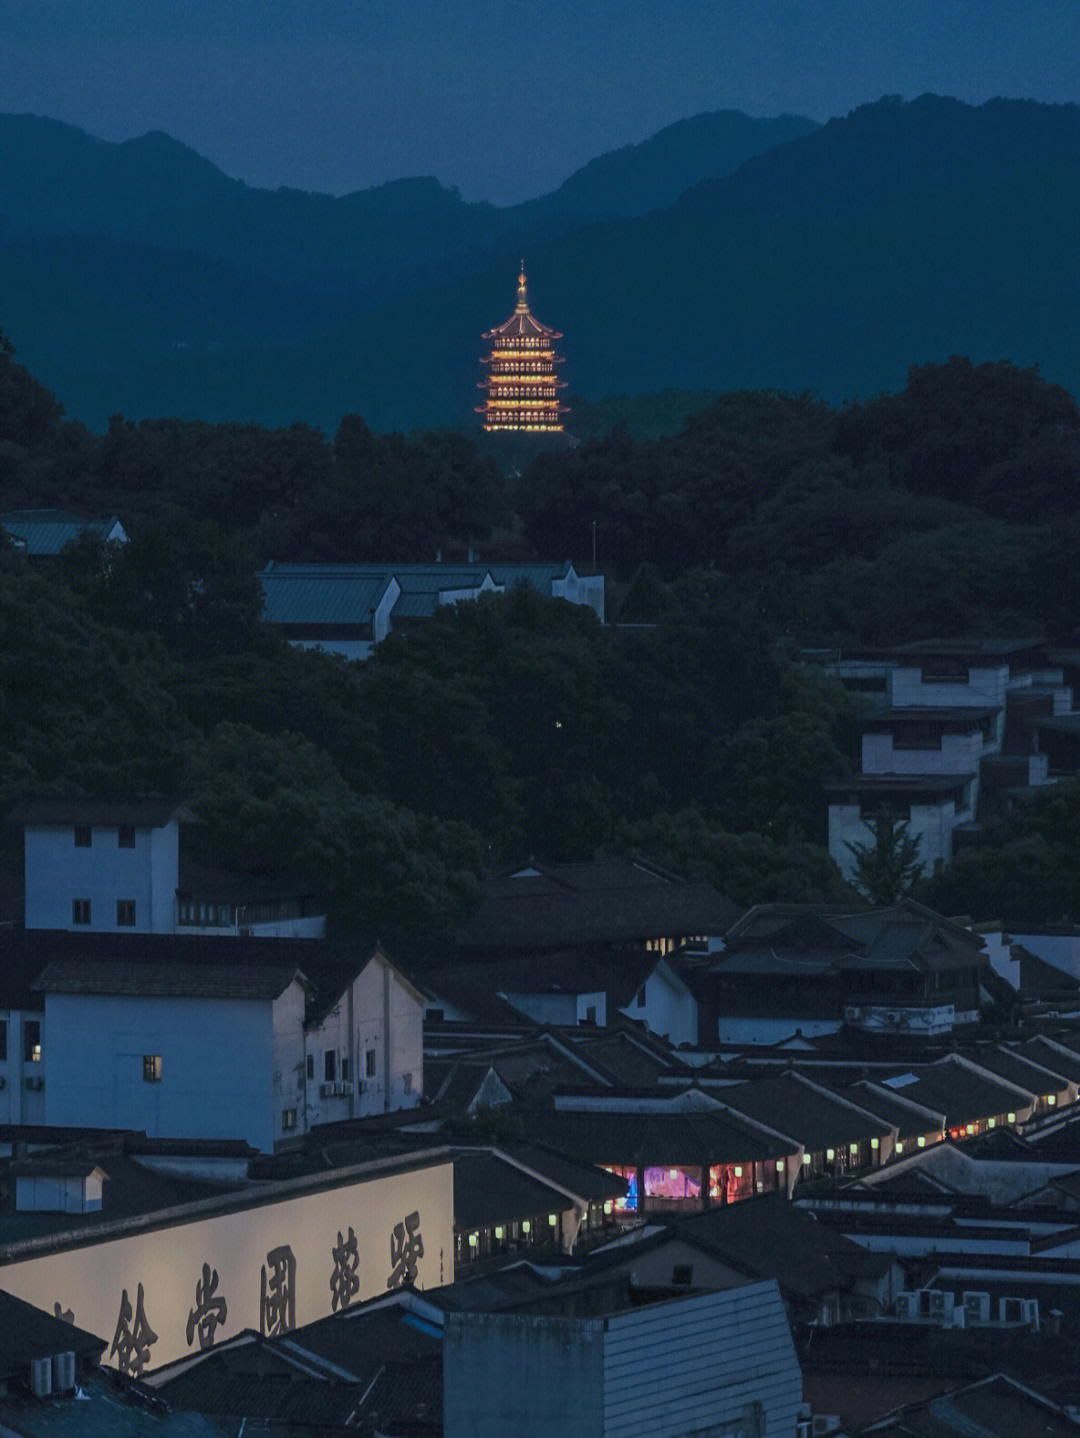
962,729
348,609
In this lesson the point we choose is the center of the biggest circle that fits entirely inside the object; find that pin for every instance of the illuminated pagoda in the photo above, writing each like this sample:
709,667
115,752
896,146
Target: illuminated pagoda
521,385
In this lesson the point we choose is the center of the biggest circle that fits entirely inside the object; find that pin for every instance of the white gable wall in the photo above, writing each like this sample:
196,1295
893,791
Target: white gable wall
216,1065
378,1026
669,1009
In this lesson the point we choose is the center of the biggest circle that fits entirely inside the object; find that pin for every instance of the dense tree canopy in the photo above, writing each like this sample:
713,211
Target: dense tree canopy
689,733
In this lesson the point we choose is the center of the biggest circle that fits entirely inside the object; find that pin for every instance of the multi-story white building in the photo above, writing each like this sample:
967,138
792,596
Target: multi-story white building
114,866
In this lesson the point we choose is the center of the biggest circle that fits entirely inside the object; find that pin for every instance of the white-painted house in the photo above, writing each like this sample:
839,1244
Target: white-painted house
130,1034
114,866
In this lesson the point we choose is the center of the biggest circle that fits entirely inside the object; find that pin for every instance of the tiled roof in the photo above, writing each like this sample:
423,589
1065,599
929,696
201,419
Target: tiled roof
489,1189
328,968
46,531
963,1096
27,1333
147,980
99,813
812,1118
612,902
655,1139
320,594
349,594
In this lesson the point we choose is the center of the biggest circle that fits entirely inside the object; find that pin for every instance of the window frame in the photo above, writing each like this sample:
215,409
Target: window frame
80,912
152,1068
125,913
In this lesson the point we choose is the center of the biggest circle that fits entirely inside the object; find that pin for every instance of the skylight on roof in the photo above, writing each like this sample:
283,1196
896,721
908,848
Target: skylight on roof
900,1080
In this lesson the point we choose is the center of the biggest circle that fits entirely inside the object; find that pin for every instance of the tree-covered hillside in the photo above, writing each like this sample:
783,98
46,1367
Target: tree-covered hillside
689,732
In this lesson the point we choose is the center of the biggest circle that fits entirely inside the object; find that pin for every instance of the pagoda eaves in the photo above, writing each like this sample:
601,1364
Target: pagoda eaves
521,385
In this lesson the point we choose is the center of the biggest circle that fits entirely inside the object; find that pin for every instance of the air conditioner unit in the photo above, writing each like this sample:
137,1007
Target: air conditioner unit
345,1088
892,1017
977,1307
328,1090
940,1304
41,1377
63,1372
906,1305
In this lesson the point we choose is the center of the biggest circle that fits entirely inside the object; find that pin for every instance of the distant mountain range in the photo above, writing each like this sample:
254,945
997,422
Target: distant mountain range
723,253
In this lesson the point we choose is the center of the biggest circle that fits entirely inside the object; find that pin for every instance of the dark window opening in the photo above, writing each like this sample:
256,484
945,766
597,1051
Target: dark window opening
125,837
83,836
330,1066
125,913
80,911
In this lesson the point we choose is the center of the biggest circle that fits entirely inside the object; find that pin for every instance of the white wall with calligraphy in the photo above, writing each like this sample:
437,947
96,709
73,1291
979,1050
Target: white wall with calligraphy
346,1242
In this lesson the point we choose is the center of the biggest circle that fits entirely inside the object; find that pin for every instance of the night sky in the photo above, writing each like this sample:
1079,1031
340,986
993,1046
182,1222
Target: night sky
503,98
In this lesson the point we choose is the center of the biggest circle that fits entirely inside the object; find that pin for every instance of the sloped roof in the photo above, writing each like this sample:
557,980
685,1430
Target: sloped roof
148,980
46,531
642,1138
321,594
27,1333
327,968
613,901
349,594
962,1095
133,813
522,324
815,1119
770,1237
488,1189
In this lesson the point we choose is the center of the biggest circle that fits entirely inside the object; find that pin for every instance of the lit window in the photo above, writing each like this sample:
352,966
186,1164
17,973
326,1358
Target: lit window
1012,1118
1051,1099
830,1154
80,911
288,1119
526,1226
32,1041
125,913
806,1160
151,1068
553,1220
780,1165
922,1142
899,1146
